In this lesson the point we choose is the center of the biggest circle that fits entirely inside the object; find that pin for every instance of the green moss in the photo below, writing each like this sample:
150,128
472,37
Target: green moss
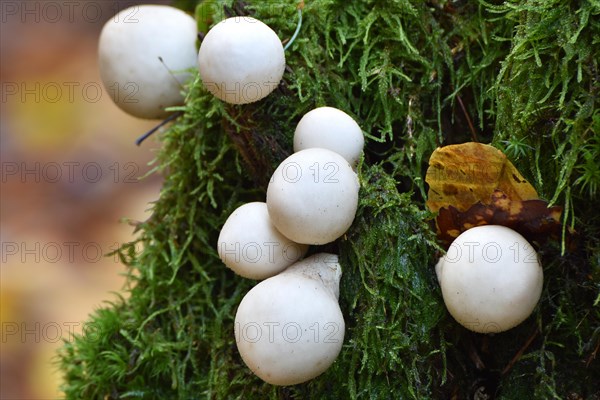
523,75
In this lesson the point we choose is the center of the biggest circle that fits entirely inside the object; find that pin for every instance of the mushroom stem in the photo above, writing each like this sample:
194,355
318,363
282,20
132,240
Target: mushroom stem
322,267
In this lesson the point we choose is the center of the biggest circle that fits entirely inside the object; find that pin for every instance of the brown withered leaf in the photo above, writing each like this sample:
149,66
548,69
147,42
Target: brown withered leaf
531,218
463,174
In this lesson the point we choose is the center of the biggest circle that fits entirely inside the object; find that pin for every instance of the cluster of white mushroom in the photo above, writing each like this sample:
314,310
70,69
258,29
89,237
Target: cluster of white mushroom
289,328
147,53
311,199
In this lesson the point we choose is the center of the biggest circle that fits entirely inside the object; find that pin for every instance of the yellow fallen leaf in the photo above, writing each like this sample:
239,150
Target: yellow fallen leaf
463,174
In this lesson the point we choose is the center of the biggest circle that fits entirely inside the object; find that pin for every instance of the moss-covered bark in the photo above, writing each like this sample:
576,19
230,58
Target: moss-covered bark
415,75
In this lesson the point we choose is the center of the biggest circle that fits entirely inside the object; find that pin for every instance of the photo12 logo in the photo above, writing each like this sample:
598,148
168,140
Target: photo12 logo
48,332
54,252
292,172
64,11
69,172
52,92
240,93
254,252
490,252
69,92
289,332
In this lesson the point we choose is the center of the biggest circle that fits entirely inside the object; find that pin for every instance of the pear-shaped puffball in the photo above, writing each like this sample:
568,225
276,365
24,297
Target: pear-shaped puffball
132,45
251,246
289,328
312,196
241,60
332,129
491,279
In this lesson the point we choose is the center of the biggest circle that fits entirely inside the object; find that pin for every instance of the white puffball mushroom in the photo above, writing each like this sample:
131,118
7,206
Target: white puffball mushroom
131,47
241,60
312,196
330,128
491,279
250,245
289,328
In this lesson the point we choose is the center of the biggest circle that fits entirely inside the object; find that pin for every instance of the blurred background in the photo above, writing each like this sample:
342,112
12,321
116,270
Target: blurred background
69,176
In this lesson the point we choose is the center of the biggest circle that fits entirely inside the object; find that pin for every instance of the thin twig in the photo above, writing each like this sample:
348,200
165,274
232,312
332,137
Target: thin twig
520,353
471,127
157,127
170,73
297,27
473,354
592,356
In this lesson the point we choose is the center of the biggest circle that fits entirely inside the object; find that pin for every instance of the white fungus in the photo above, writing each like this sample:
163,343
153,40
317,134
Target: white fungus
312,196
491,279
251,246
241,60
289,328
132,45
332,129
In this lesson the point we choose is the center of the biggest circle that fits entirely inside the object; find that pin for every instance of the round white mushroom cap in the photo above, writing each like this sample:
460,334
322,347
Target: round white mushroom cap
241,60
332,129
289,328
131,47
491,279
251,246
312,196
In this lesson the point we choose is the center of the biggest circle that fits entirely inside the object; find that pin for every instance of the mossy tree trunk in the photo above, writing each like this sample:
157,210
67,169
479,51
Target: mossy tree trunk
415,75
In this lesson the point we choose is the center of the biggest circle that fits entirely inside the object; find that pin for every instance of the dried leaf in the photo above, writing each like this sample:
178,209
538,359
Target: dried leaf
464,174
531,218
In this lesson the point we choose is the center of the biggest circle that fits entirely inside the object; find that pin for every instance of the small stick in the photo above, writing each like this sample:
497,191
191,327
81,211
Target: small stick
169,72
593,355
471,127
157,127
474,356
300,7
520,353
